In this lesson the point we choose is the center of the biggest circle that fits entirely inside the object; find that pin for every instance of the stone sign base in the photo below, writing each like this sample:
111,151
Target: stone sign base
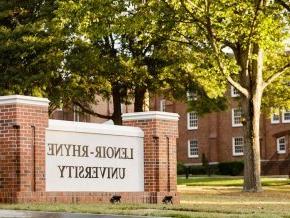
86,197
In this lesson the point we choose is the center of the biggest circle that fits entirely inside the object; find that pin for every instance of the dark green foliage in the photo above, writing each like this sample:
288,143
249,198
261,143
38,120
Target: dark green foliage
190,170
26,49
197,170
181,169
233,168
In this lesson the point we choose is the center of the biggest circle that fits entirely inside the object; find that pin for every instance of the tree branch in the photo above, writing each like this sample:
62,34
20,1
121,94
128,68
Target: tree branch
238,86
200,24
276,75
89,111
211,38
282,3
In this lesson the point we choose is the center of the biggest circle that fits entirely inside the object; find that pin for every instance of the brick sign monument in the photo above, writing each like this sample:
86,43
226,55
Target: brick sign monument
44,160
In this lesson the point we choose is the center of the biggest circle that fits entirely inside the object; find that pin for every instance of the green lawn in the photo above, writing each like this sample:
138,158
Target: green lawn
229,181
216,197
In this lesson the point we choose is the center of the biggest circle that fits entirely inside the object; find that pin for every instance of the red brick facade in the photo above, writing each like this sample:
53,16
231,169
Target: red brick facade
159,153
215,133
23,121
22,134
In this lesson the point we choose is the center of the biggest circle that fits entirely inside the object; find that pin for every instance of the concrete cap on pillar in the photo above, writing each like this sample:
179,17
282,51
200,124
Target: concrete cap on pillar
151,115
20,99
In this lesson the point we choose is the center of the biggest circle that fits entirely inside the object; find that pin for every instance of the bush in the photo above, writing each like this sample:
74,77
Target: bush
181,169
197,170
213,169
191,170
233,168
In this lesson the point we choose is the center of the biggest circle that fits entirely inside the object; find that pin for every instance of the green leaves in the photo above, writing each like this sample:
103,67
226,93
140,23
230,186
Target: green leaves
216,40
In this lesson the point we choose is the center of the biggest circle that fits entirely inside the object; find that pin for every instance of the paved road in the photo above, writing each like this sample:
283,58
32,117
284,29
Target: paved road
31,214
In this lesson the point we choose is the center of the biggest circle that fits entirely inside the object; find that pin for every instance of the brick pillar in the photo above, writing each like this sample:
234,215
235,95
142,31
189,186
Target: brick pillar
23,121
160,134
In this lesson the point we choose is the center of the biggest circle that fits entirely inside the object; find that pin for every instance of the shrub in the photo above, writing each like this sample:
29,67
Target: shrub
213,169
233,168
197,170
181,169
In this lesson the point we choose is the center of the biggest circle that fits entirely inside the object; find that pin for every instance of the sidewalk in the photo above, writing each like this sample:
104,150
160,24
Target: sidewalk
34,214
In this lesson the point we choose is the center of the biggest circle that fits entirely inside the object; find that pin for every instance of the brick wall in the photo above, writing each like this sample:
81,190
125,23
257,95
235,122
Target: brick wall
22,134
160,159
23,121
215,134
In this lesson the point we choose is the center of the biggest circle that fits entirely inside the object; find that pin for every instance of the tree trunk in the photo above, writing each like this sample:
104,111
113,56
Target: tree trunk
252,170
117,114
252,114
139,96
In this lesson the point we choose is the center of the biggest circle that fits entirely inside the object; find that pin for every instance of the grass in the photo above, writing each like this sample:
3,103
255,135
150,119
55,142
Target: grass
217,197
229,181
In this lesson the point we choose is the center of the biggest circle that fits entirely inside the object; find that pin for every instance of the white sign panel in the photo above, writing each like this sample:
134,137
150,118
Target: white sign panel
83,157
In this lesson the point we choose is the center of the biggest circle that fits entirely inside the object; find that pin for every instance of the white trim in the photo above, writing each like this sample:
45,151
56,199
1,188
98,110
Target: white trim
279,151
283,116
20,99
163,105
104,129
275,121
233,120
188,122
233,94
188,149
199,164
191,96
151,115
233,147
76,113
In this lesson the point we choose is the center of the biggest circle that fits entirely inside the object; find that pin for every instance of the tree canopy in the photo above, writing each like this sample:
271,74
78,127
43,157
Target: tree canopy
242,44
72,50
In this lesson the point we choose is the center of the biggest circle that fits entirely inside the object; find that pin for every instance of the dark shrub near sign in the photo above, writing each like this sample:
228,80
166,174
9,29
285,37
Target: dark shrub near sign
190,170
233,168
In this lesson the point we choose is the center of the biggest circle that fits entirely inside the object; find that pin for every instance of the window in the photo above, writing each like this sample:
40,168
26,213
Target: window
191,96
238,146
192,148
163,105
123,108
76,113
237,117
281,145
275,118
234,92
192,120
286,116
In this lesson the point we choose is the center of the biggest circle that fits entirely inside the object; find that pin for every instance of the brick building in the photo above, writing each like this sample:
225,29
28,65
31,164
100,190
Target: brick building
104,107
219,135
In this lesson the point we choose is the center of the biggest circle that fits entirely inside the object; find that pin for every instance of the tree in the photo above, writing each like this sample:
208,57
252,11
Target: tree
125,49
30,55
25,51
242,43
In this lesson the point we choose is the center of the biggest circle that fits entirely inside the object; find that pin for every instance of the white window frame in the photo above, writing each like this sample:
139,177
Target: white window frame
123,108
234,146
233,118
163,105
279,151
189,149
191,96
283,116
275,121
76,113
189,127
234,92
